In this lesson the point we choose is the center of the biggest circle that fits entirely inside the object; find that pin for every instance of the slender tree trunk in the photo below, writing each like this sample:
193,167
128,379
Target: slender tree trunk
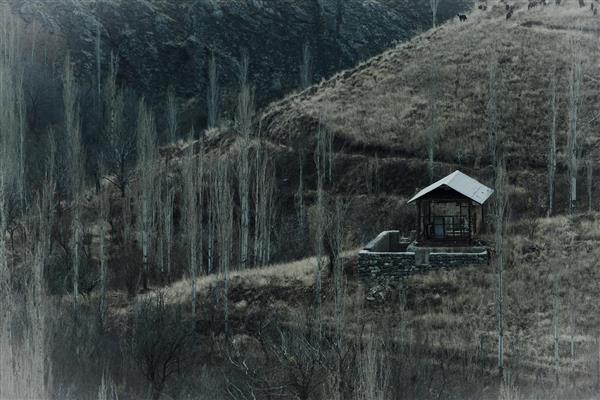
264,208
224,229
104,221
434,7
147,159
21,118
501,208
72,127
24,362
245,118
172,116
299,197
492,118
590,181
552,146
98,57
598,363
321,161
191,211
213,91
193,192
572,328
306,67
168,227
575,77
433,131
556,335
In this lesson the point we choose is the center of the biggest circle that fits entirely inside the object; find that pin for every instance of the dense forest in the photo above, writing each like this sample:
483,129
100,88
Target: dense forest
184,187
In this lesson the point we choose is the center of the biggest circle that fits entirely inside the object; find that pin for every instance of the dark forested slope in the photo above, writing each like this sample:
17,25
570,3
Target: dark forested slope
161,43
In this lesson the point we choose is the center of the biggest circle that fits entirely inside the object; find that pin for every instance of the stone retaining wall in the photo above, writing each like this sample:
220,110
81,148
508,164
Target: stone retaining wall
454,260
377,262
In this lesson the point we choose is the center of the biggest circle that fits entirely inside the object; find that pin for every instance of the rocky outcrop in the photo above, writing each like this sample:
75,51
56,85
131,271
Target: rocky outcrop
162,43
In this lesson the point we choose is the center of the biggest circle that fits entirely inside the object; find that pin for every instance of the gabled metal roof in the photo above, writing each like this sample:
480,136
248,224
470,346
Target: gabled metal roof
461,183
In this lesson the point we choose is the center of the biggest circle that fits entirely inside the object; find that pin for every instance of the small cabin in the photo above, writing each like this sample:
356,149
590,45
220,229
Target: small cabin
450,215
450,211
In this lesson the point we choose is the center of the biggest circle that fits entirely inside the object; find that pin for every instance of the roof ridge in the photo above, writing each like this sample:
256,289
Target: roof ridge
461,183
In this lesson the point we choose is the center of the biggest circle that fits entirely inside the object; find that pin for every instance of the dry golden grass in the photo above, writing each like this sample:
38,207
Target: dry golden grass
383,103
563,255
295,273
452,313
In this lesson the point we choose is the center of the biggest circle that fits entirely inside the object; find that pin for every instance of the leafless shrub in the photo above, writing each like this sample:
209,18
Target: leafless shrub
296,367
374,373
160,342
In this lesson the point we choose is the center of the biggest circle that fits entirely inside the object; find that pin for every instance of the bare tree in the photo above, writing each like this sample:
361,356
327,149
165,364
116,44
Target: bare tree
193,192
36,354
552,143
172,117
492,118
264,207
589,166
72,126
12,109
244,122
433,4
104,221
108,389
300,358
160,341
295,367
211,231
118,142
335,237
433,129
24,361
374,376
147,155
20,117
223,200
373,179
556,333
501,206
306,67
98,56
299,197
167,225
322,164
572,329
575,82
213,91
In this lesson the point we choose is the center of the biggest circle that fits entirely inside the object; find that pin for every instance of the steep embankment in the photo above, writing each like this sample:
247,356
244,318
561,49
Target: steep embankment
161,43
384,106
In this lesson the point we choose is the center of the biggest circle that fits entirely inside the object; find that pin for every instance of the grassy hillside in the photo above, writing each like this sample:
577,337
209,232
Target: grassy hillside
437,331
383,105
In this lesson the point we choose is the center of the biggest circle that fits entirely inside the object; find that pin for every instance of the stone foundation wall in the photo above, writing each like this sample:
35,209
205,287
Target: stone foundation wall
385,266
454,260
375,263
